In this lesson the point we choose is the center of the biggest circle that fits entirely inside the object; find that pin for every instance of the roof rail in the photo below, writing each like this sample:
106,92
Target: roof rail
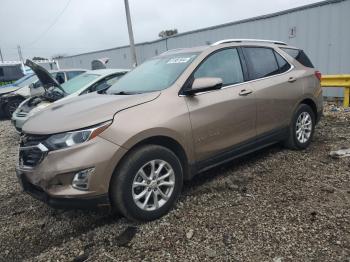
226,41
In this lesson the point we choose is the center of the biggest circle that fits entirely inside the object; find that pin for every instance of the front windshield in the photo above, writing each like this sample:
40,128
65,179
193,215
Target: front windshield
156,74
26,80
78,82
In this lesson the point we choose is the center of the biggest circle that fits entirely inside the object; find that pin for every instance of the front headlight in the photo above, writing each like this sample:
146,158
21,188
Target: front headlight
68,139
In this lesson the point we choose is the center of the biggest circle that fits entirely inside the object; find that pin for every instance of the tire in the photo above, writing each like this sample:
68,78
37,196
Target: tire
300,135
11,106
129,183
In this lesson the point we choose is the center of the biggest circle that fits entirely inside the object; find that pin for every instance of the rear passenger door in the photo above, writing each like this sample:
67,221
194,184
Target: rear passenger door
276,88
223,118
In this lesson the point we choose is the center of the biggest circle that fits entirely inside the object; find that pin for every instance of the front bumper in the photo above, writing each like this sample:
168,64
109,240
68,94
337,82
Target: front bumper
51,180
61,203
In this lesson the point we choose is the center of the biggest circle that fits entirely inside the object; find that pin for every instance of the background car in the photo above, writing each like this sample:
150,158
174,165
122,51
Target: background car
13,94
90,81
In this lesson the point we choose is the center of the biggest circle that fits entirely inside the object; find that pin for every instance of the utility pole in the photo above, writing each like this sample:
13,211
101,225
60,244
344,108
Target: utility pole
2,59
131,34
20,53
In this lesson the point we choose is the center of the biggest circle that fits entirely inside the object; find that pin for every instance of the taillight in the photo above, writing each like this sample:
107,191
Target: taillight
318,75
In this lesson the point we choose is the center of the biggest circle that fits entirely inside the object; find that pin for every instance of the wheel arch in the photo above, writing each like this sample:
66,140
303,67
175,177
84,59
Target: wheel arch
9,99
312,105
167,142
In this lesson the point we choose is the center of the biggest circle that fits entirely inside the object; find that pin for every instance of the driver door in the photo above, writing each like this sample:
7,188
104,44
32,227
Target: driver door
224,118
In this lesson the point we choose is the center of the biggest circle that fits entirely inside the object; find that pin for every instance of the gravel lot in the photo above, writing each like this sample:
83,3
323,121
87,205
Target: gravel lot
274,205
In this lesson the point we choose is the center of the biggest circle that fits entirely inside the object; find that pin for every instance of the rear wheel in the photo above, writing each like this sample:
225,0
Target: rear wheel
147,183
302,128
11,106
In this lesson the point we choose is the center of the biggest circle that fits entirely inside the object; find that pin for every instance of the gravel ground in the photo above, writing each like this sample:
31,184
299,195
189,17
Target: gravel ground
274,205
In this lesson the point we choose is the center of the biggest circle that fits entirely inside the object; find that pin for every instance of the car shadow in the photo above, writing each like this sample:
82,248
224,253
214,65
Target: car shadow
234,165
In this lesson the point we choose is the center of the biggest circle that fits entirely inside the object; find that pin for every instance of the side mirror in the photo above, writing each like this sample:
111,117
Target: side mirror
204,84
32,86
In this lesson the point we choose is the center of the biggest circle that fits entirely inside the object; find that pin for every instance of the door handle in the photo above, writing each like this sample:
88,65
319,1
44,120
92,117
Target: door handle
245,92
292,79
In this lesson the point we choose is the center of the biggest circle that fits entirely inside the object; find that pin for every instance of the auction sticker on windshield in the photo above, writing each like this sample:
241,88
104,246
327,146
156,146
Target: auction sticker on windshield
180,60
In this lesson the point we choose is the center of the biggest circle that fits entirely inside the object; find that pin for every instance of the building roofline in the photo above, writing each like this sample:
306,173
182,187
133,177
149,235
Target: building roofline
261,17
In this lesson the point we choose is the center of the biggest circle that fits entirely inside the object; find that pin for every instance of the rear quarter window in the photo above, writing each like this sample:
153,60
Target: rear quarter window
282,63
299,55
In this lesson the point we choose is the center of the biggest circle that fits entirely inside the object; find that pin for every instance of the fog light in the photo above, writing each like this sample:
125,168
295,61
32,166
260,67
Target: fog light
81,179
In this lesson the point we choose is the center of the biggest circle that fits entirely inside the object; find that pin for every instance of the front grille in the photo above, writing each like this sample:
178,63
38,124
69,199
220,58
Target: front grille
29,154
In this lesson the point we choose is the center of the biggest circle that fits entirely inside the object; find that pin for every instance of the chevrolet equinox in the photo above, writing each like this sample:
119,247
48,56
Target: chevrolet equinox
174,116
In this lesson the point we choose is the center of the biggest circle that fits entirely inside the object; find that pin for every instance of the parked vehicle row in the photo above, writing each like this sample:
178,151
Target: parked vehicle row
88,82
174,116
29,86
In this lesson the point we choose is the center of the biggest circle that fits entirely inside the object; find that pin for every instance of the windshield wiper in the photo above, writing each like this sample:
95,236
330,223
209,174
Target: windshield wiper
125,93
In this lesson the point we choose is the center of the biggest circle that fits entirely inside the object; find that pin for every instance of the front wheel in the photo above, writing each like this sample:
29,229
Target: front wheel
147,183
11,106
302,128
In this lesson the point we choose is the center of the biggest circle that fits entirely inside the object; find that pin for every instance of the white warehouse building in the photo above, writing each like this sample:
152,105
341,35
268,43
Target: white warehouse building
321,29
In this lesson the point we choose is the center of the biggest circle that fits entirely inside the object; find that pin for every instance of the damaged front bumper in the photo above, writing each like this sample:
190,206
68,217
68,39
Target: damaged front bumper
61,203
53,179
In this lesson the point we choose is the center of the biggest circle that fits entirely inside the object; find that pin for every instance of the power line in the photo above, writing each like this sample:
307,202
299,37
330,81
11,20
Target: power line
51,25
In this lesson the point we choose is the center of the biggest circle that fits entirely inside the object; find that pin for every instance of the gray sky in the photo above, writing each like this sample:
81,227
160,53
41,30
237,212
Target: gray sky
87,25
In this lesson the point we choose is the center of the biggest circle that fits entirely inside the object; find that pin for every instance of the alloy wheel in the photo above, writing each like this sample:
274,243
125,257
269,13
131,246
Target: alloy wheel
153,185
304,127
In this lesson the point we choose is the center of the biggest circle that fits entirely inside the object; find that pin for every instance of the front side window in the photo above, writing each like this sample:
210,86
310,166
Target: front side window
262,62
223,64
154,75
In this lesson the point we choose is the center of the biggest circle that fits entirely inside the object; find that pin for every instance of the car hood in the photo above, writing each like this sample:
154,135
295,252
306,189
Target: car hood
8,89
44,76
81,112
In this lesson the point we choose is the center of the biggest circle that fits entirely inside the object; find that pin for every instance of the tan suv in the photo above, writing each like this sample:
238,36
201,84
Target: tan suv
172,117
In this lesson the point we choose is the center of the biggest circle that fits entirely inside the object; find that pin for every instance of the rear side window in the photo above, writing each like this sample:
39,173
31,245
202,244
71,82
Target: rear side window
299,55
224,64
282,63
262,62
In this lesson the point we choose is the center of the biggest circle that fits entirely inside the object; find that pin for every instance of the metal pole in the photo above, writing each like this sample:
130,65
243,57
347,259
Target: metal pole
20,53
131,34
2,59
